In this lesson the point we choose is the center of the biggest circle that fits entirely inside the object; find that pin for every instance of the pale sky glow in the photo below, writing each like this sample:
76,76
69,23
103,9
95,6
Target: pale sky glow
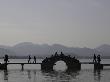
77,23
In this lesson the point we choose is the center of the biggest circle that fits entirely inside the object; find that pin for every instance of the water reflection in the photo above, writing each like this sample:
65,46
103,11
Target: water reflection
35,78
97,75
6,75
57,76
53,76
29,74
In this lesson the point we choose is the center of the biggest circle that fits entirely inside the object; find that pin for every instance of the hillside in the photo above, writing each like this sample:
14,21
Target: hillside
26,48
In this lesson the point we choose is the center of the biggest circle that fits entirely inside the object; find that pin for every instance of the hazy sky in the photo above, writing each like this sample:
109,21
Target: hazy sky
79,23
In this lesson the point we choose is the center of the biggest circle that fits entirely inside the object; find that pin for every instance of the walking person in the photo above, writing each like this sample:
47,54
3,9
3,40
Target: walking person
34,59
98,59
29,59
6,58
94,59
56,54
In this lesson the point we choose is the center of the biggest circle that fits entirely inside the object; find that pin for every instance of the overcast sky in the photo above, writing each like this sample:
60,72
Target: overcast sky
77,23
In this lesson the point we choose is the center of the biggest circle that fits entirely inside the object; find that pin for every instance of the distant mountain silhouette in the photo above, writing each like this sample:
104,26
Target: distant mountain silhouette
45,49
104,49
26,48
6,51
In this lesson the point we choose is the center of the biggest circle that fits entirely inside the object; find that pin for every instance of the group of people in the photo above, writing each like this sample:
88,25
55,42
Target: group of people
96,59
6,59
29,59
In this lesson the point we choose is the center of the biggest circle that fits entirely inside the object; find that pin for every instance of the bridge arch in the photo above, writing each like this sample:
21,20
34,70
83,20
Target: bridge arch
60,66
71,62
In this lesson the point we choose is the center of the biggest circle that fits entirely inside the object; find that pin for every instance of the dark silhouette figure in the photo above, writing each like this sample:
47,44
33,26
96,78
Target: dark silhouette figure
74,57
98,59
62,54
6,59
94,59
56,54
29,59
34,59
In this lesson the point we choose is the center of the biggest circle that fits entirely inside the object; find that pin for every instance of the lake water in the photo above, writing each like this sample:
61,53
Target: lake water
33,73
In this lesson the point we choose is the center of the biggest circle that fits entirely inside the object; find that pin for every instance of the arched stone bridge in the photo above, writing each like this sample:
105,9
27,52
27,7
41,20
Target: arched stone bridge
71,62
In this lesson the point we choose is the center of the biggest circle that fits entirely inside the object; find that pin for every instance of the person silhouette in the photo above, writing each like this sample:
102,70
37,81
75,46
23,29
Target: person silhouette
34,59
98,59
6,58
61,54
29,59
94,59
56,54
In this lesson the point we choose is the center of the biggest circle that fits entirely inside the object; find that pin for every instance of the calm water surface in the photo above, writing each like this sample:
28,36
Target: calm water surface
32,73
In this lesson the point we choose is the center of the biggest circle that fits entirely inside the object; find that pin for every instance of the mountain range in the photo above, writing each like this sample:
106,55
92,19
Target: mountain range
42,50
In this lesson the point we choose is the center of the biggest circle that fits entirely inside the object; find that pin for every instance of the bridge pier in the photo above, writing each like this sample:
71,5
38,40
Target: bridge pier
22,66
